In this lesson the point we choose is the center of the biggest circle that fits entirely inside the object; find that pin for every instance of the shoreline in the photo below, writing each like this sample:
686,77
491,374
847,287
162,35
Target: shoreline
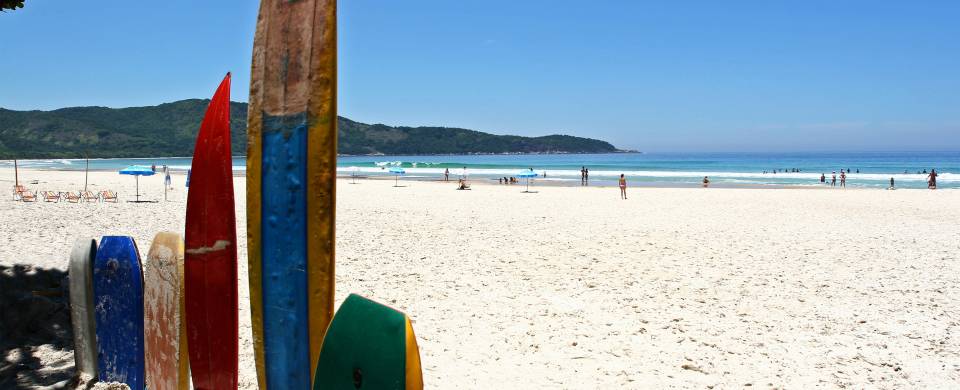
548,183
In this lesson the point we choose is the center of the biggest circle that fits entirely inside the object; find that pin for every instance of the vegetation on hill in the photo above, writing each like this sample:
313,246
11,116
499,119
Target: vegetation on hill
170,129
10,4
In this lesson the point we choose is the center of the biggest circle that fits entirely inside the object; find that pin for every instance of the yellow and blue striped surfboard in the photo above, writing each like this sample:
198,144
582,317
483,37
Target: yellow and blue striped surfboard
291,172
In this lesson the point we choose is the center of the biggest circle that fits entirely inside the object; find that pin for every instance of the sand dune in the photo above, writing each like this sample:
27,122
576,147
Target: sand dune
574,288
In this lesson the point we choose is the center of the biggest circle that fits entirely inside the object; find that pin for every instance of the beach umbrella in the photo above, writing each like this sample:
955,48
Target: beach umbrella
137,171
527,174
397,171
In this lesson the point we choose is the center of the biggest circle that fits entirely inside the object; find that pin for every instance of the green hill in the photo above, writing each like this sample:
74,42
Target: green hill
170,129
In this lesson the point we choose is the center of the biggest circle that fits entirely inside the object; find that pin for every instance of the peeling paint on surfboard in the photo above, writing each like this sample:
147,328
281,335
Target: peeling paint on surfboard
118,302
165,340
210,262
291,165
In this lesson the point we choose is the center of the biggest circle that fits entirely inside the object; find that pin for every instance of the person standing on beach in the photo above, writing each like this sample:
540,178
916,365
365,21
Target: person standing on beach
891,183
932,179
823,179
843,179
833,180
583,175
623,187
167,181
586,176
446,174
706,182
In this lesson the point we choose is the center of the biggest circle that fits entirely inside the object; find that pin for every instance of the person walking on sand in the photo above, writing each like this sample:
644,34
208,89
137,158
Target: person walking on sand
623,187
706,182
843,179
932,179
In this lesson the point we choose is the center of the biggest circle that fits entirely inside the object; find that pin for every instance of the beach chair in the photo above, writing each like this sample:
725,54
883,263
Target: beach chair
108,196
50,196
71,197
17,189
27,196
89,196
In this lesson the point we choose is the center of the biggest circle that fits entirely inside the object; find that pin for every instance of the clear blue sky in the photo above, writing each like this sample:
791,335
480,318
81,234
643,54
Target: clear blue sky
665,76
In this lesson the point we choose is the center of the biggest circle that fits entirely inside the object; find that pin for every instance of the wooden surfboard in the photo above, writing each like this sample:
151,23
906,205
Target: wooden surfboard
165,341
210,265
81,306
118,300
369,346
291,172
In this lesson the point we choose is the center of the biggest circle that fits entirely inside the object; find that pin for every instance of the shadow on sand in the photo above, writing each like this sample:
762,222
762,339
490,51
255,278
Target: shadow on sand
35,318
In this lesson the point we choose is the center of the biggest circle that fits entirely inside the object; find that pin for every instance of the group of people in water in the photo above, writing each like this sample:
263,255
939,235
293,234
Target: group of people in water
622,182
931,178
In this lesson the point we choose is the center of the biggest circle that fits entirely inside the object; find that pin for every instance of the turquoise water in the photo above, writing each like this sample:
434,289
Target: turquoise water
666,169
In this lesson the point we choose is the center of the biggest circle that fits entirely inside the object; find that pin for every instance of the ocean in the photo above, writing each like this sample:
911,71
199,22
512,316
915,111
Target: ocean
872,170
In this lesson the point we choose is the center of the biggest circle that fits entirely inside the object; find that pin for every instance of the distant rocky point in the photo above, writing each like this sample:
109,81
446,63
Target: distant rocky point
170,129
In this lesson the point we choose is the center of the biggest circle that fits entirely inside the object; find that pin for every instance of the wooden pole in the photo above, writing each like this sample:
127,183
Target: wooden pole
86,174
16,175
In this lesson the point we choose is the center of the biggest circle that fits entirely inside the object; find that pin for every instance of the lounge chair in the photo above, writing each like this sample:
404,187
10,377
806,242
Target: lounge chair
89,196
17,190
71,197
108,196
50,196
27,196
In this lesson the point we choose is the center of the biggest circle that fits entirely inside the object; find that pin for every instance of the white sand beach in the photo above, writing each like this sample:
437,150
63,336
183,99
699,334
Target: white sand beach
573,288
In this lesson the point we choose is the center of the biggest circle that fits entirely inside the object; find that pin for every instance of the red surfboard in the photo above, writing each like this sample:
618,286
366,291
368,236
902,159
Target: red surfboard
210,255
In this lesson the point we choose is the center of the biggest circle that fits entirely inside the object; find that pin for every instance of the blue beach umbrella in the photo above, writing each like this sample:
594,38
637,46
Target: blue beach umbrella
527,174
397,171
137,171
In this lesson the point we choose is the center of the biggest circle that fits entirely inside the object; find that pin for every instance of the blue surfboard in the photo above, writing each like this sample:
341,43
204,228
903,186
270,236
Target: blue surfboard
118,302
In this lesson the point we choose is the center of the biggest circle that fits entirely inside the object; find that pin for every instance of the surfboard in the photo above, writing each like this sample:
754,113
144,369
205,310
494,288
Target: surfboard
165,341
118,303
291,172
369,346
81,306
210,257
